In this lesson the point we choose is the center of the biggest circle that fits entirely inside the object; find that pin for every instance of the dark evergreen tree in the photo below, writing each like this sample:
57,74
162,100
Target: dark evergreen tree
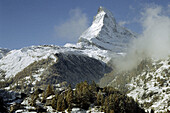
69,97
54,101
94,87
59,103
84,95
100,98
49,91
3,106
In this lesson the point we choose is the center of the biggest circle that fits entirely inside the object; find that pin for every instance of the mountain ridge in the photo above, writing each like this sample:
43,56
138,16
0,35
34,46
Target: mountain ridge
19,59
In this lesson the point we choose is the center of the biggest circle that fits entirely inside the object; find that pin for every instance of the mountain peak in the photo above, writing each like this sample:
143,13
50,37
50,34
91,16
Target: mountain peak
100,8
105,33
105,15
103,9
107,12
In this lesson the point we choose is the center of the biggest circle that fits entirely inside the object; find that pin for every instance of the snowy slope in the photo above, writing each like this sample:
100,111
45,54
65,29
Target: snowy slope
148,83
105,33
17,60
153,91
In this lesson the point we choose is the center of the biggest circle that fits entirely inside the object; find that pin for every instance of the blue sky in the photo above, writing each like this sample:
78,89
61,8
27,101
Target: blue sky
38,22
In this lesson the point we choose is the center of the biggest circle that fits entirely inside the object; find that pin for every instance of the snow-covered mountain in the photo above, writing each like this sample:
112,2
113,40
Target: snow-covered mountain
17,60
105,33
102,37
3,52
88,60
148,83
151,88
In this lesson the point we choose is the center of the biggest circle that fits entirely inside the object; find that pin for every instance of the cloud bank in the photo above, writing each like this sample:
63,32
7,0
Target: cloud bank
72,28
154,42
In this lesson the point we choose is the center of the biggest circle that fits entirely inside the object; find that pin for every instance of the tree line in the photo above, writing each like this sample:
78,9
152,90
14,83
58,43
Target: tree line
84,96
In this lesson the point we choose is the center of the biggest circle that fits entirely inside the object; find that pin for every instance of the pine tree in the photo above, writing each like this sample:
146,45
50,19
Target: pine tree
64,105
54,102
106,103
83,95
69,97
43,97
59,103
100,98
93,86
3,106
49,91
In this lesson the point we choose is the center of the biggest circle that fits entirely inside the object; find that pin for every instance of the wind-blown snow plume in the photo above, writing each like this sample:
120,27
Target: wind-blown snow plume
154,42
72,28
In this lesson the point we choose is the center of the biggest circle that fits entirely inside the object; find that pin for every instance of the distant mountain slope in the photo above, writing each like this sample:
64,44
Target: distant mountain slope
3,52
152,87
67,68
17,60
148,83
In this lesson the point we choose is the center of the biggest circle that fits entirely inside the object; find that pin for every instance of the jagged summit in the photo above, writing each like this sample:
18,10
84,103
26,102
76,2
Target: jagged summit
105,33
107,13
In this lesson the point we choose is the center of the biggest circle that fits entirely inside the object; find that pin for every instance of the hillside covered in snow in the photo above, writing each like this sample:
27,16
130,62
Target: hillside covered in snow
151,88
148,83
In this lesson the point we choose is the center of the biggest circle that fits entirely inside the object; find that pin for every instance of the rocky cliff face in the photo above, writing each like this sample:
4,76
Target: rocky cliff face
75,68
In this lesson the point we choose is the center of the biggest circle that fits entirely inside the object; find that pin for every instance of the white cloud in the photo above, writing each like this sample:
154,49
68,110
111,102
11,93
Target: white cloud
131,7
72,28
122,23
154,42
156,35
169,5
